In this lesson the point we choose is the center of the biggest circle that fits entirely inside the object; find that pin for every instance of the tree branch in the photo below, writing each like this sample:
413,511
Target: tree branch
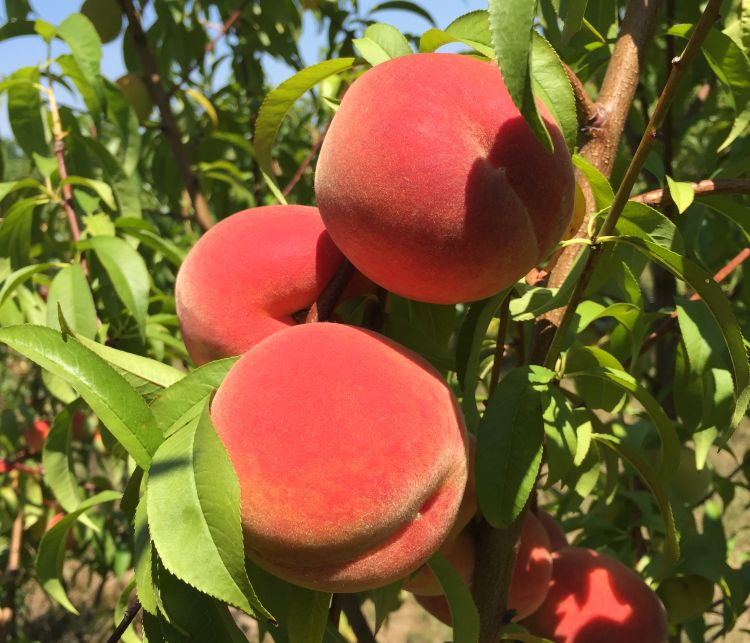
662,198
171,129
680,66
59,149
323,308
616,95
8,611
589,115
127,619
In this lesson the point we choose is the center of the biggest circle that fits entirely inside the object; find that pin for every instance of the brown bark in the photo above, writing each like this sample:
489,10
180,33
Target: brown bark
171,129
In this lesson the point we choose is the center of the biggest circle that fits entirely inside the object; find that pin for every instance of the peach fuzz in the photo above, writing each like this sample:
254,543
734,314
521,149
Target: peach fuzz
351,456
247,276
594,598
441,192
528,584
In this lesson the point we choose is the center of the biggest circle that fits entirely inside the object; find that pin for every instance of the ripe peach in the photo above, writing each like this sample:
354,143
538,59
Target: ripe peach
440,192
351,456
248,275
459,553
594,598
528,584
35,436
557,538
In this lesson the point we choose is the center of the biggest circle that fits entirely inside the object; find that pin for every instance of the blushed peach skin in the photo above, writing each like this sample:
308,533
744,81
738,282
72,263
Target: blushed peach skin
594,598
528,584
351,456
432,184
247,276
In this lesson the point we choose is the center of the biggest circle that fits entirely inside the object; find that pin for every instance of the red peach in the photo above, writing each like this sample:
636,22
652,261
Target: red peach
528,584
350,451
248,275
35,436
557,538
441,192
460,554
594,598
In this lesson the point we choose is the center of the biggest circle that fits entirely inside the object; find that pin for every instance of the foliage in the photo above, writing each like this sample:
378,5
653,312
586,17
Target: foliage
98,204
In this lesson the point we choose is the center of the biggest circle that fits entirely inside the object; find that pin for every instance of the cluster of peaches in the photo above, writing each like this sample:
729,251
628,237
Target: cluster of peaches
353,459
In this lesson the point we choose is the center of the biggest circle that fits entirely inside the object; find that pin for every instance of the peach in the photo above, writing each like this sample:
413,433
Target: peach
528,584
350,452
248,275
35,436
432,184
557,538
594,598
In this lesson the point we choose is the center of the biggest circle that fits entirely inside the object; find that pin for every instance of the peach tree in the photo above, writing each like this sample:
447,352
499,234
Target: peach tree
502,371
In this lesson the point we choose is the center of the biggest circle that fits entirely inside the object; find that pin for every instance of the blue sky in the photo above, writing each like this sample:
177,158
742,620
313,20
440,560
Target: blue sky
26,51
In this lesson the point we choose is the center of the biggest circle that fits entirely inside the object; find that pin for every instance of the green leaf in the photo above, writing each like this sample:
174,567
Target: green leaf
15,279
9,187
93,100
468,352
84,43
403,5
15,230
51,553
46,30
99,187
183,401
670,442
511,24
194,496
671,547
573,19
385,600
595,394
600,186
70,290
193,616
301,613
17,28
58,466
731,208
472,29
143,561
24,112
551,85
643,221
276,105
464,613
745,23
382,42
718,304
144,368
127,271
561,441
509,444
141,230
127,192
682,193
118,406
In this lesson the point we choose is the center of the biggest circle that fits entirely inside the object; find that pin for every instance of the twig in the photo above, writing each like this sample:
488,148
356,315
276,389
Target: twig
679,66
613,103
498,549
500,343
589,115
59,148
233,17
171,129
306,162
661,198
323,308
127,619
361,629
